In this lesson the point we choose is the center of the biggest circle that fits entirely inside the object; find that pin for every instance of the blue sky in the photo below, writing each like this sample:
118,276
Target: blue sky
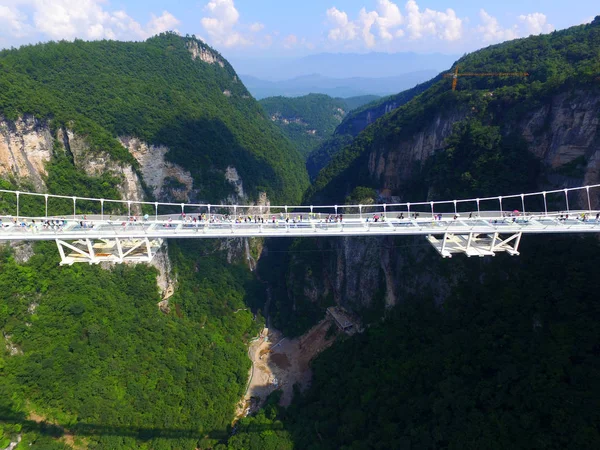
290,28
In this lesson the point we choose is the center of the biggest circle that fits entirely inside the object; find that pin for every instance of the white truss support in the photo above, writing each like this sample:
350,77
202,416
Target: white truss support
77,254
119,249
113,250
149,248
135,245
493,244
90,247
504,246
61,251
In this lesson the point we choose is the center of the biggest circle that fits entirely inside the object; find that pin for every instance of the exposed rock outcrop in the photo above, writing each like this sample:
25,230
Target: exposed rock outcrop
394,166
361,273
564,129
204,54
25,148
168,181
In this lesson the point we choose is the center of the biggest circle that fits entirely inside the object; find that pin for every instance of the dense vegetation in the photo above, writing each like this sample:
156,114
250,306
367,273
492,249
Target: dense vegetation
510,361
306,121
557,62
356,121
511,358
353,103
95,362
154,90
102,361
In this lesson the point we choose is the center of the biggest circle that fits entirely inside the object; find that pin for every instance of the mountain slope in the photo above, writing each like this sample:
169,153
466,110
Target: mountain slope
306,121
169,91
472,353
129,357
564,62
356,121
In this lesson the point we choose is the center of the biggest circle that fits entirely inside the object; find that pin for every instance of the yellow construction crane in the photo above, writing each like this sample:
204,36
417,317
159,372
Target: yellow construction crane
455,75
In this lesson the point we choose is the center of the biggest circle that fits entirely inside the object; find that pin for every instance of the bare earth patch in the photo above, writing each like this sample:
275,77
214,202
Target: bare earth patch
279,363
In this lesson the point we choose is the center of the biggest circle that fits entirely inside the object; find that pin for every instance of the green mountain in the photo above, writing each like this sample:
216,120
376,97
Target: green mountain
97,357
307,121
460,353
356,121
168,90
356,102
562,62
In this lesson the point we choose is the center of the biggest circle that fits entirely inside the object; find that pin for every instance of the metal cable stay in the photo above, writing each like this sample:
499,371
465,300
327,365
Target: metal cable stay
494,224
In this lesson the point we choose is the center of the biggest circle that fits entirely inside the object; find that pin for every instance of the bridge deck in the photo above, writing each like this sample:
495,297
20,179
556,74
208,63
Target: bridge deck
168,227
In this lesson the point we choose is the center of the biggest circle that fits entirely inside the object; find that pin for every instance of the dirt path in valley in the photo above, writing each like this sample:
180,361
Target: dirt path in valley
279,363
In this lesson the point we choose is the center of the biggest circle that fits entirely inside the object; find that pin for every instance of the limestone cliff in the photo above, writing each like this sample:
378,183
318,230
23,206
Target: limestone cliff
376,273
167,181
27,145
25,148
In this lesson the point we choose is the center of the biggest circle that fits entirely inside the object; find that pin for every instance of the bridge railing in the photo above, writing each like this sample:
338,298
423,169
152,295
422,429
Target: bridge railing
546,202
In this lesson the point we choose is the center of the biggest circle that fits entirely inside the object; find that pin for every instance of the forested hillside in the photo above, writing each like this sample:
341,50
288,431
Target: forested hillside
87,357
168,90
462,353
307,121
356,121
561,62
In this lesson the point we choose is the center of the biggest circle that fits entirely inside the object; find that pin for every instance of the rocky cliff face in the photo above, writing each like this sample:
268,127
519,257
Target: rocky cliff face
395,166
27,144
564,130
361,274
25,148
158,173
204,54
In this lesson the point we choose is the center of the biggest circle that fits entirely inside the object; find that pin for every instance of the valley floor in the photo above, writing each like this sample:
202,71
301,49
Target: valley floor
279,363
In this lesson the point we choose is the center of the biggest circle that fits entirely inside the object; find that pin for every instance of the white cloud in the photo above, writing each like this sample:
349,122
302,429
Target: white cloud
535,23
290,41
87,19
13,22
165,22
221,24
256,27
387,19
344,29
527,24
366,21
443,25
491,30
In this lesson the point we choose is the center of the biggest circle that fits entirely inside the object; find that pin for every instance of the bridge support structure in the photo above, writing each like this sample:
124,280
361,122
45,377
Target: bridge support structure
476,244
113,250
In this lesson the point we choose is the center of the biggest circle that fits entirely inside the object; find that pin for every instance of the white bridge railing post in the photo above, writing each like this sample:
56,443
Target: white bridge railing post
587,188
18,194
545,204
74,208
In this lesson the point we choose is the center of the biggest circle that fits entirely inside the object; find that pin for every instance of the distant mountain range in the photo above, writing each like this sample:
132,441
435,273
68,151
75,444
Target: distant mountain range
334,87
342,65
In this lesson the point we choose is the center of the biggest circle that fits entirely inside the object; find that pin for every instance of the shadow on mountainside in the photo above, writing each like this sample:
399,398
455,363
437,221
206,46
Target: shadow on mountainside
142,433
207,147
